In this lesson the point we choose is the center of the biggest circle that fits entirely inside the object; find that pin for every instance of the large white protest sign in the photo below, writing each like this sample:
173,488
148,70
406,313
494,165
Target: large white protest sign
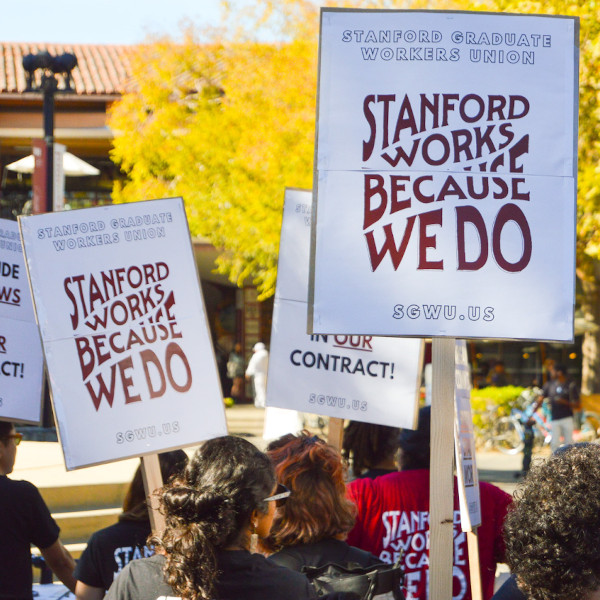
464,442
363,378
130,360
21,358
446,175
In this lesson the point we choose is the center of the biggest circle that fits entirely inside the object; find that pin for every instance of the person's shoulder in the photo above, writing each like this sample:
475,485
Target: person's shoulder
22,488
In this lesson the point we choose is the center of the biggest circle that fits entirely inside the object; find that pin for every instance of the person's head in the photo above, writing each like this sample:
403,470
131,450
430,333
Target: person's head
216,503
369,446
237,348
414,445
135,505
9,440
553,528
258,346
560,372
317,507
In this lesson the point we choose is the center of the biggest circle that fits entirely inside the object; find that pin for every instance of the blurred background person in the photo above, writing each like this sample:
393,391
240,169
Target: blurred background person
111,548
25,520
311,527
225,497
257,373
235,372
370,449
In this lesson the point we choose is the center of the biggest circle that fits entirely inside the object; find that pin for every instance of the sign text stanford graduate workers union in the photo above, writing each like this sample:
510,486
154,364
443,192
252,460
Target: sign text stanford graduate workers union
130,360
446,175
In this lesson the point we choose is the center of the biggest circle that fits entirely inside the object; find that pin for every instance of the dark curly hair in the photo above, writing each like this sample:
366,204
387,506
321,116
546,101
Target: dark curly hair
318,508
208,508
367,445
552,532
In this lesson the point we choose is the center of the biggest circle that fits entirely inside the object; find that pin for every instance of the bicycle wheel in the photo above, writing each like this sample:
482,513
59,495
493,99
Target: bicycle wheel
509,435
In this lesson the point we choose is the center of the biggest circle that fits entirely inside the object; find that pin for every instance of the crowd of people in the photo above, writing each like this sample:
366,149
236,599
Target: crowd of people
247,524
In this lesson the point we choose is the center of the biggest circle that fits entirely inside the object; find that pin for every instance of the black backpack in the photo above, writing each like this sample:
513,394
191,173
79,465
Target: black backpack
365,582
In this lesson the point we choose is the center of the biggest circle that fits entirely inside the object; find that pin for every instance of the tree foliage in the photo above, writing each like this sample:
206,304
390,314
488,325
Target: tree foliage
227,126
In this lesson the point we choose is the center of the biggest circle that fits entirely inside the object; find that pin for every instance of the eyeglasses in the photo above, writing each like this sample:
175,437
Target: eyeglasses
282,493
15,436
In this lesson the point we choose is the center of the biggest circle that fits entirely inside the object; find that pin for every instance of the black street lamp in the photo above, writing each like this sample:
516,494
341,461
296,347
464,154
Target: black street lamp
51,66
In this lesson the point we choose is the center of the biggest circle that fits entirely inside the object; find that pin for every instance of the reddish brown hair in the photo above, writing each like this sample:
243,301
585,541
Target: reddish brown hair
317,508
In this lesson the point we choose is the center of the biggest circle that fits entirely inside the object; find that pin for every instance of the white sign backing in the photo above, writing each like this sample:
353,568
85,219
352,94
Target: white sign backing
21,357
129,355
445,175
363,378
464,442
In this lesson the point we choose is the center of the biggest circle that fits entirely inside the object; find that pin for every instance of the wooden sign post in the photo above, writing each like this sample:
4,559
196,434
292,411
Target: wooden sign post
153,481
441,509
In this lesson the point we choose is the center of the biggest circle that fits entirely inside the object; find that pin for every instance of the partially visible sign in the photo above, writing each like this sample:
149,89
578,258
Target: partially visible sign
363,378
464,443
446,173
127,346
21,358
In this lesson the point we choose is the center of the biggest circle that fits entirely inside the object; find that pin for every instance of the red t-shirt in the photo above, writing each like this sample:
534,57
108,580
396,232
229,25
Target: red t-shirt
393,516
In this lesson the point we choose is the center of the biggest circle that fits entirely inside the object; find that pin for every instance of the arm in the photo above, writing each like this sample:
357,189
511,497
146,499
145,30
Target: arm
83,591
57,557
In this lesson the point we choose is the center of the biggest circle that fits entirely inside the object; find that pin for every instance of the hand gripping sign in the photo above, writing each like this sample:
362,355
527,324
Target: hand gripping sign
130,360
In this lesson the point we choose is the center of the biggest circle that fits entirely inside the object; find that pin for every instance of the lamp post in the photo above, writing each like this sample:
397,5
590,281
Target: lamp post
50,66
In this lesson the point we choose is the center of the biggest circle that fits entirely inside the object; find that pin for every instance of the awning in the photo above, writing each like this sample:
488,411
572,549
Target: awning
73,166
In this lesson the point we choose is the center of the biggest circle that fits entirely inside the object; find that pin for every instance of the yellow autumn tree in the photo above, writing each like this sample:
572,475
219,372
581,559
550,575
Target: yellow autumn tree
227,126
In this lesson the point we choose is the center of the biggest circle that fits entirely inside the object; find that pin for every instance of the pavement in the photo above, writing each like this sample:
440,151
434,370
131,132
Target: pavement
42,463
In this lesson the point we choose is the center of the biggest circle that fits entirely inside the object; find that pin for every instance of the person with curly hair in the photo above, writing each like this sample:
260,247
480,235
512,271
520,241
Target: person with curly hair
310,528
552,532
370,448
225,496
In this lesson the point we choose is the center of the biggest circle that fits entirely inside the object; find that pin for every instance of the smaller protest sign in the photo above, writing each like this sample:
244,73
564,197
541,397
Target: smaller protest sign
363,378
21,358
128,350
464,443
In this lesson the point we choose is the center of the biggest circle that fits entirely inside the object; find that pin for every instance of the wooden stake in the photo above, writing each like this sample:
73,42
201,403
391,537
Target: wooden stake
152,481
441,492
335,433
474,568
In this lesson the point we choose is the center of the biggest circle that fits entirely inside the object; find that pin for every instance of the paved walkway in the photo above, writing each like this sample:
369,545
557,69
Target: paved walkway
42,462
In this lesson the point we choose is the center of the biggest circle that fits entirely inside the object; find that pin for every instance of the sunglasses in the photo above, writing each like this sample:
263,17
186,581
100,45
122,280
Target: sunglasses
282,493
15,436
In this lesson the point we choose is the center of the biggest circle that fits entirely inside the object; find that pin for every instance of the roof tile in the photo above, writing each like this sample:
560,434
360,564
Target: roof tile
101,69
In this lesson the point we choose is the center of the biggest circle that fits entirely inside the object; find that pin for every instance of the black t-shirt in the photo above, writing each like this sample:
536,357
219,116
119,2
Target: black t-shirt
321,553
109,550
24,520
562,397
243,575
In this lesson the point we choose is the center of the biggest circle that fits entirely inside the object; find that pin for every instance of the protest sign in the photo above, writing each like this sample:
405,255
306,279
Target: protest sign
21,358
363,378
129,356
464,443
446,175
466,468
